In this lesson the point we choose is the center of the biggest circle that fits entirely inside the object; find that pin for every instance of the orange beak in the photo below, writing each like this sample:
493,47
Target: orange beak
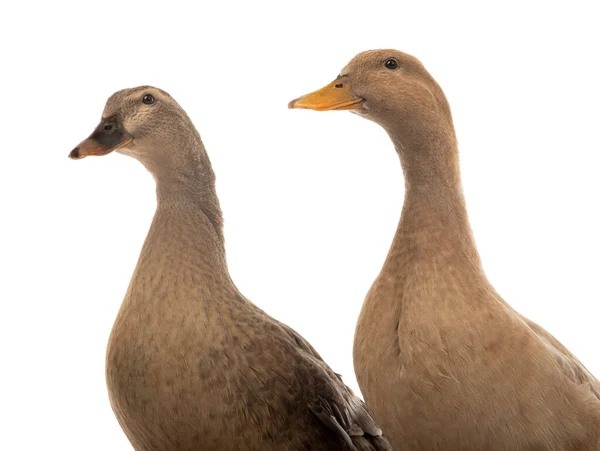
334,96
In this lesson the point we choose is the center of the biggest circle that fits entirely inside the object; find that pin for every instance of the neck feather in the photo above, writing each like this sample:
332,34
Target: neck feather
183,257
197,198
434,228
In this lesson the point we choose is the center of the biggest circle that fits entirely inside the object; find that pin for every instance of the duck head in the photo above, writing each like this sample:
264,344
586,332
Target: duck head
148,124
388,87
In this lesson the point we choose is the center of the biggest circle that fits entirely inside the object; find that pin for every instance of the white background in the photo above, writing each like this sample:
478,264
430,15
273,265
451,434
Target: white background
311,200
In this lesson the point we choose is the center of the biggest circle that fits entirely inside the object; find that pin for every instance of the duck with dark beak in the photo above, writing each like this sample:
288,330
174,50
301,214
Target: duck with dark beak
168,382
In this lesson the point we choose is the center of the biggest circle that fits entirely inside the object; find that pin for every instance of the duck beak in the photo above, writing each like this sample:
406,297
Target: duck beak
109,135
334,96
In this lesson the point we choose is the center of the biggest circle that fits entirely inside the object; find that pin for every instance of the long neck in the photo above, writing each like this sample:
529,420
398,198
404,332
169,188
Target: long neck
197,197
434,238
184,176
183,257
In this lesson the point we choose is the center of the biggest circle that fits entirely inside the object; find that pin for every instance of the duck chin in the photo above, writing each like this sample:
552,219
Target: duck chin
364,111
128,151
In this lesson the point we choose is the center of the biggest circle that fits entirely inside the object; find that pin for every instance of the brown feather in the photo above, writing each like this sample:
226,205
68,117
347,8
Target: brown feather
443,361
191,363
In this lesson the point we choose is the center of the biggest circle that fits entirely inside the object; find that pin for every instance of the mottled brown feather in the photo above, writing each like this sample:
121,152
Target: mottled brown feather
191,364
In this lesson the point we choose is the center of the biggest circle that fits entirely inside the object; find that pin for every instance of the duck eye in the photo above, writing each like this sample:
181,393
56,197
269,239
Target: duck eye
391,64
148,99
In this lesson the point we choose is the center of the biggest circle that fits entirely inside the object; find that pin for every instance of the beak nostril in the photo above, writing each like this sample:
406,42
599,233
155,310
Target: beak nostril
339,85
108,127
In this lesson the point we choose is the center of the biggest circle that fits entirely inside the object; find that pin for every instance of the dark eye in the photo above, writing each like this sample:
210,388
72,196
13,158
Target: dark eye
148,99
391,64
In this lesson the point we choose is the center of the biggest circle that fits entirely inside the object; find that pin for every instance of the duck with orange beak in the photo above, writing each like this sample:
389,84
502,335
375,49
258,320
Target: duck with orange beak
444,363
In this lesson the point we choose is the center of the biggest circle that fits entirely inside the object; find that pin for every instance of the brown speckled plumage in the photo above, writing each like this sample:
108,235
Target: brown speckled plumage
443,361
191,364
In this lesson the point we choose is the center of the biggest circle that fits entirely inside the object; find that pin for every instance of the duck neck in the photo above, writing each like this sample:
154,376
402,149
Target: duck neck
194,204
434,232
183,257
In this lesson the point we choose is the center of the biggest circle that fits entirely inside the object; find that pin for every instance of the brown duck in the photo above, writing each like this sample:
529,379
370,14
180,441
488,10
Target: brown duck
443,361
191,363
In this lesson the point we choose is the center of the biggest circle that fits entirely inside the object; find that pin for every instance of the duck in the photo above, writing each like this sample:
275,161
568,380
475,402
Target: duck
191,364
442,360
